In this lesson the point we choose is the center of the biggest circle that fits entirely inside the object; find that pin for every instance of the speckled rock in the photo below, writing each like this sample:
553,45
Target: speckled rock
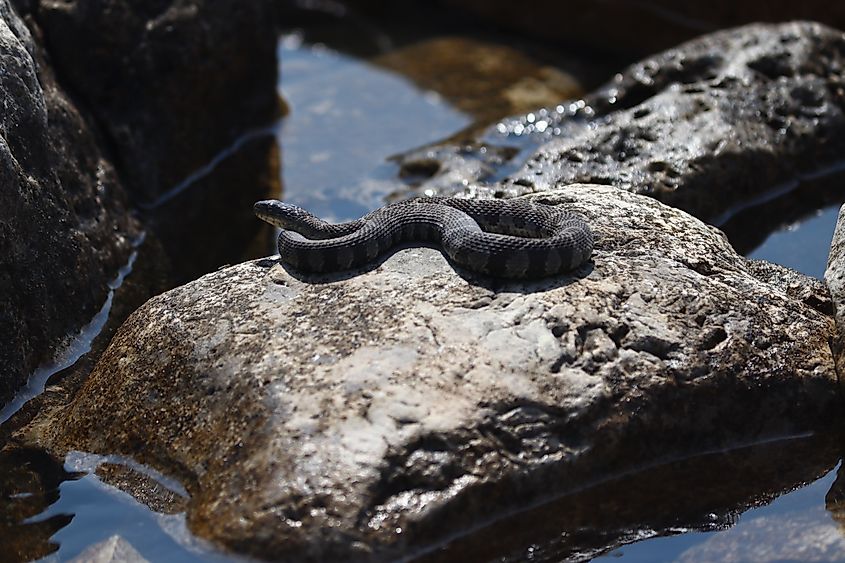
709,126
381,412
65,230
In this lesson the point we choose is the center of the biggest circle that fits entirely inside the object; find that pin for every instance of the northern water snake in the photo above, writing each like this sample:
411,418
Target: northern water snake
512,238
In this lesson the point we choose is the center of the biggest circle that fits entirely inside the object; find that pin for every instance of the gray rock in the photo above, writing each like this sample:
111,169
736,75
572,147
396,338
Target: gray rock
64,226
834,277
381,412
710,126
113,550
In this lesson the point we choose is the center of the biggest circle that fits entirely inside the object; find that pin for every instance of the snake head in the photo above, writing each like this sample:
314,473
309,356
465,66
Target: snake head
277,213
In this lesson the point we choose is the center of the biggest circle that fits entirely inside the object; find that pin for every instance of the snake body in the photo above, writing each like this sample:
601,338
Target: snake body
502,238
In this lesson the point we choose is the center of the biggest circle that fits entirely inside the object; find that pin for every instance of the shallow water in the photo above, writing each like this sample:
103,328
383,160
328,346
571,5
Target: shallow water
773,532
346,119
371,114
802,246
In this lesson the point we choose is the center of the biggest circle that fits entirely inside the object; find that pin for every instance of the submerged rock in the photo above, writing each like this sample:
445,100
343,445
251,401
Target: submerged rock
65,230
484,80
112,550
709,126
381,412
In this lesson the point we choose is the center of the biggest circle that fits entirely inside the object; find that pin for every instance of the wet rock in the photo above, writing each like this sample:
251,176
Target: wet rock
64,226
29,483
173,83
685,495
113,550
709,126
381,412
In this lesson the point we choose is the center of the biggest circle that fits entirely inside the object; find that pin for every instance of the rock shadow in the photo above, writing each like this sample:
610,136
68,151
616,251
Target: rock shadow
496,285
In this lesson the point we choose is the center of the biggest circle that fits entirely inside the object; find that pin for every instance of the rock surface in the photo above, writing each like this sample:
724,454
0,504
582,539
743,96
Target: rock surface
64,226
380,412
709,126
488,81
834,277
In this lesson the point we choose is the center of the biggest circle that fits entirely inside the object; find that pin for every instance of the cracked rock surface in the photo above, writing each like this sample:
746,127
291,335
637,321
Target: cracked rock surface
380,412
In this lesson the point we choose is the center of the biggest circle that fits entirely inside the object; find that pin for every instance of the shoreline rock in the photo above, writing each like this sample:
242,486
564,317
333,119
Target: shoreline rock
314,418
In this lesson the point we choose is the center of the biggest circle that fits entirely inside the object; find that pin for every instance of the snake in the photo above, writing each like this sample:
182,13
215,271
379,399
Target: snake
504,238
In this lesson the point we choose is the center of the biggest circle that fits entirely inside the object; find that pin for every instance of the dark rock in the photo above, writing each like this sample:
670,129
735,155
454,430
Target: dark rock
640,27
185,93
173,83
686,495
29,484
64,226
710,127
381,412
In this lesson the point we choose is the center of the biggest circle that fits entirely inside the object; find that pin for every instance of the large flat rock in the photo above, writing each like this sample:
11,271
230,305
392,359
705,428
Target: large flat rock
380,412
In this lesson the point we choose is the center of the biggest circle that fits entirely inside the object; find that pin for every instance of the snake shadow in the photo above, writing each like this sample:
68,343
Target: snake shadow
497,285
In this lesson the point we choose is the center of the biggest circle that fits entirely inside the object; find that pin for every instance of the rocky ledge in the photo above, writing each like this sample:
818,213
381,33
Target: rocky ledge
385,411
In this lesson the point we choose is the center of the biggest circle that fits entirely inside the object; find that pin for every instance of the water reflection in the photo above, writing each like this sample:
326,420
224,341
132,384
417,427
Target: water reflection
792,225
346,118
802,246
29,484
667,509
744,504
